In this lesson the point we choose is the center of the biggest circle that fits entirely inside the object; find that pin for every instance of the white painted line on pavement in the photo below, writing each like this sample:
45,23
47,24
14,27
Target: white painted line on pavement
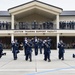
34,69
16,70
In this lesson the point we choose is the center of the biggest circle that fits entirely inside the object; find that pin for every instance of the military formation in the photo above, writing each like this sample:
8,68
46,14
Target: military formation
67,25
26,25
5,25
34,44
35,25
37,43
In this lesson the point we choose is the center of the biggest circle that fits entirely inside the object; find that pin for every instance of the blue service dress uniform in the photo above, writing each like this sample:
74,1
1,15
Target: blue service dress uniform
25,46
40,46
36,47
47,51
1,49
44,46
15,50
29,51
61,50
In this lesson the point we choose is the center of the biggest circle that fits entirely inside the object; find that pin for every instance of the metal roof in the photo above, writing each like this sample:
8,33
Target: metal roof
35,1
4,14
68,13
64,13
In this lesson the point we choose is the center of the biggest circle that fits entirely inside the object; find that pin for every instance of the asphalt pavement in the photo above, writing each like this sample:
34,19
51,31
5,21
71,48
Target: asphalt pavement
38,66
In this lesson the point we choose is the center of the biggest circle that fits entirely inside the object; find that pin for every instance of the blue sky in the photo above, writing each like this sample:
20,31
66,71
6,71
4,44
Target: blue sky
64,4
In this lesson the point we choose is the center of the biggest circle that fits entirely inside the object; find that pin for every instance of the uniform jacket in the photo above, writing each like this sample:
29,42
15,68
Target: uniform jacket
61,47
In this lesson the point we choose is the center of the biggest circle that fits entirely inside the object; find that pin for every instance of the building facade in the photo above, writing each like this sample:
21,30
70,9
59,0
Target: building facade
39,19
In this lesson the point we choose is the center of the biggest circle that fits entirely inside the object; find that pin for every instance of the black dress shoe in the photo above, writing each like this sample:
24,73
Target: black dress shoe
4,53
30,60
26,59
0,56
45,59
49,60
62,59
15,59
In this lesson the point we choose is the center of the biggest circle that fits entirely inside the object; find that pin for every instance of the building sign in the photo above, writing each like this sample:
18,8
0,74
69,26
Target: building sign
51,31
29,31
35,31
40,31
18,31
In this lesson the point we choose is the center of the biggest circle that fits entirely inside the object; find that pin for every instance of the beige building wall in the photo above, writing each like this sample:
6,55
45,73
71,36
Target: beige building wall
67,18
8,19
32,17
38,18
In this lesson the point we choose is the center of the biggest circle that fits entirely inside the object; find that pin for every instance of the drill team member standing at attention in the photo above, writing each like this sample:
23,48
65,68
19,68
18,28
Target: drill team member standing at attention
61,46
44,46
24,44
36,46
40,45
15,49
47,50
29,50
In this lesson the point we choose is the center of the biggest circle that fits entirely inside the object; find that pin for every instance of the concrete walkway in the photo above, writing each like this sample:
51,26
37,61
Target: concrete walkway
38,66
